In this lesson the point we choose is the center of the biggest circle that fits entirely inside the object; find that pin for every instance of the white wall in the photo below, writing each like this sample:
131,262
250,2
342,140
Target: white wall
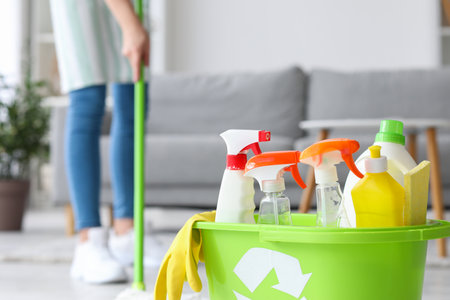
11,39
228,35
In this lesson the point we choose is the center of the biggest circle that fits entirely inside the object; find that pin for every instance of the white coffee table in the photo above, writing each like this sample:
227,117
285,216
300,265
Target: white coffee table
412,127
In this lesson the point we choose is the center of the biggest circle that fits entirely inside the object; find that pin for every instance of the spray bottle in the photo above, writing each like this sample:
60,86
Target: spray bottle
235,203
323,156
268,169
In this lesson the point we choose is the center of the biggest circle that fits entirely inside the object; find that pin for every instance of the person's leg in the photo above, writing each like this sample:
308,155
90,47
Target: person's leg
122,153
83,155
92,261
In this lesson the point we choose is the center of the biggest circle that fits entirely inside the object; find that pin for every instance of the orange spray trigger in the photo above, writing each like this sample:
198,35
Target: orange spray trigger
296,174
348,159
324,154
269,167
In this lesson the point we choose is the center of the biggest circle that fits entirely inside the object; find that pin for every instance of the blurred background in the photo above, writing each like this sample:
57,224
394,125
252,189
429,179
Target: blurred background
225,36
256,64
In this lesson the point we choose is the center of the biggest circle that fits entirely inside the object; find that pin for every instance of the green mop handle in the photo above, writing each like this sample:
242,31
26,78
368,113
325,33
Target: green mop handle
139,113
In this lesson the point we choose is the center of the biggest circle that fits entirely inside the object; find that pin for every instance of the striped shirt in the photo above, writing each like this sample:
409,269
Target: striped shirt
88,43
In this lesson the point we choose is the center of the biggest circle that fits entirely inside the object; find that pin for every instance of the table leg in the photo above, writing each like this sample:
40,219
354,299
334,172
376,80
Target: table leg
412,145
110,208
436,185
70,220
305,202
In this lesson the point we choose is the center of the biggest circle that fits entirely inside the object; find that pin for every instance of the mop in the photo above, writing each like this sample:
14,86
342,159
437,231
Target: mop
137,291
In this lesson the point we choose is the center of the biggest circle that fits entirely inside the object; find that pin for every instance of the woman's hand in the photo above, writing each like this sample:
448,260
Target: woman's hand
135,39
136,47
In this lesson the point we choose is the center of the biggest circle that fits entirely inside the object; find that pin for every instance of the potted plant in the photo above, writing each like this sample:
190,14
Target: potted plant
23,127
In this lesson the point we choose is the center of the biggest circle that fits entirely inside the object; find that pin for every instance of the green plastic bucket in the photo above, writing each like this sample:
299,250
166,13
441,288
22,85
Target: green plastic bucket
266,262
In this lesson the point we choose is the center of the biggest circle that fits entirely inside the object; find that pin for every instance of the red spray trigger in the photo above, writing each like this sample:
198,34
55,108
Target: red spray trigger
264,136
254,147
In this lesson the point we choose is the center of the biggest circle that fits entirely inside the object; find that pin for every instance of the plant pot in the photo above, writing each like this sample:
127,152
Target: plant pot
13,198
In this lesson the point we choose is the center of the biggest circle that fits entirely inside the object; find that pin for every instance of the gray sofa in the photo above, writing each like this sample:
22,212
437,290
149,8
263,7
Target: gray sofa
185,156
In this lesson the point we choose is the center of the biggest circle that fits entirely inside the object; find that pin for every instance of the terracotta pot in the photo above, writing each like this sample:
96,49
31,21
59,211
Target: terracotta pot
13,198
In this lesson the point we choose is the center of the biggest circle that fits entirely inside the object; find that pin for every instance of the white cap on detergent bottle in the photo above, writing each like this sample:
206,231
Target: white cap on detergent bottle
375,163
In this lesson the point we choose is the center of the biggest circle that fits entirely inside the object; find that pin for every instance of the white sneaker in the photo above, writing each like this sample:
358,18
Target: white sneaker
93,262
122,247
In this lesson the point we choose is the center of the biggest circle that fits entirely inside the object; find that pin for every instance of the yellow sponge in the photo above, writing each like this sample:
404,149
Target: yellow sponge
416,193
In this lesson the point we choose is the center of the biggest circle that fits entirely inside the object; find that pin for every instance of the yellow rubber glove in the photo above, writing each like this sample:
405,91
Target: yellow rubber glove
181,260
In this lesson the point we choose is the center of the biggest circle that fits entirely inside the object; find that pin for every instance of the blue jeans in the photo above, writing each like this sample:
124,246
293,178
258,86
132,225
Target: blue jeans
82,151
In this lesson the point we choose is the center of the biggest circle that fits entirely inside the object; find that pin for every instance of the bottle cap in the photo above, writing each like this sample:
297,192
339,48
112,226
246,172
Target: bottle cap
391,131
326,175
273,186
375,163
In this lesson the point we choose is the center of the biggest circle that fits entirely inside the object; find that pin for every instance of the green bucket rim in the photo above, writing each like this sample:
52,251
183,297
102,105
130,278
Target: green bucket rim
434,229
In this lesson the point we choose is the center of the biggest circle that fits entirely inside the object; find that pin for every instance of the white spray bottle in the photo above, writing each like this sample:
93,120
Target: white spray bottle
236,203
268,169
323,156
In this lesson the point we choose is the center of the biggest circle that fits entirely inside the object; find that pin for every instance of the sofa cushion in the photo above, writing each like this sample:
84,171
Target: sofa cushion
185,159
405,94
188,104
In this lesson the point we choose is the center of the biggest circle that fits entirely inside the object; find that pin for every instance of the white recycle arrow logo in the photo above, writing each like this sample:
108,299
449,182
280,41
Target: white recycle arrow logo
257,263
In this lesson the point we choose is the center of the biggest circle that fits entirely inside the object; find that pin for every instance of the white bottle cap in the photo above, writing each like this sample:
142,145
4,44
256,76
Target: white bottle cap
326,174
272,186
375,163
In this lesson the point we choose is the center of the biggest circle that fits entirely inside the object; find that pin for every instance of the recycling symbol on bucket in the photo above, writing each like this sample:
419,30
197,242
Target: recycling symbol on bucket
257,263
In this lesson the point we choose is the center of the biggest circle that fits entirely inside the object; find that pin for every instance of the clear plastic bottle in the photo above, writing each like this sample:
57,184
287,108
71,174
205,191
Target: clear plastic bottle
268,169
329,198
324,156
275,208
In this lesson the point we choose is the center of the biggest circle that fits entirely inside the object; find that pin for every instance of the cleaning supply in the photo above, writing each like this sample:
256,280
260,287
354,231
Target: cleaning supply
379,200
268,169
235,203
245,261
181,260
416,194
323,156
392,141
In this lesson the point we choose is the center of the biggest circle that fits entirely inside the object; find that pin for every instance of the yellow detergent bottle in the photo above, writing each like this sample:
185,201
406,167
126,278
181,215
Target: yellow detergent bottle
379,200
